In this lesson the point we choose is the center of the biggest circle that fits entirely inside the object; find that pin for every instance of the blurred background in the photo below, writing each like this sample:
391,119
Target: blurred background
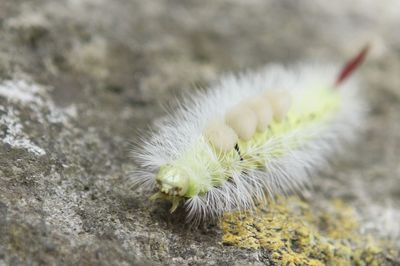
79,77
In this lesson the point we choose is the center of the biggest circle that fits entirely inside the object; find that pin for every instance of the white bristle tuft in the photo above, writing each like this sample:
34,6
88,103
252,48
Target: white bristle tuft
243,120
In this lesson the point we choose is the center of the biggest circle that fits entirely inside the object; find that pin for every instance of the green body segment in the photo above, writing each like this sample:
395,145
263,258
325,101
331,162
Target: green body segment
203,167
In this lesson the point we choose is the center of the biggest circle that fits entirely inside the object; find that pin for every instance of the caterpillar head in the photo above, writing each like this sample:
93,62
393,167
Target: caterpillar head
173,185
171,181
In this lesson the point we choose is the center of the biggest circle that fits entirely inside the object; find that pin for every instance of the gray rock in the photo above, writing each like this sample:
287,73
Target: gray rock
79,78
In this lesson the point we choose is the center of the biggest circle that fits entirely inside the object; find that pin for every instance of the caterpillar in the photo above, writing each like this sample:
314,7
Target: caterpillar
250,136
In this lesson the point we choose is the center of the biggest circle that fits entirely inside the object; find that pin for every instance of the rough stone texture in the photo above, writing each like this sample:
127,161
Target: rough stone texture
79,77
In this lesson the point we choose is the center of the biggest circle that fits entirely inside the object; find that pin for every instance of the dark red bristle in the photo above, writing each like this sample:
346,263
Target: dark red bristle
352,65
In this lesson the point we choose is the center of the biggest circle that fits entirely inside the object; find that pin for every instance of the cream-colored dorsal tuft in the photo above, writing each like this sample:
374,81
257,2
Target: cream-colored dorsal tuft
263,111
280,101
243,120
220,135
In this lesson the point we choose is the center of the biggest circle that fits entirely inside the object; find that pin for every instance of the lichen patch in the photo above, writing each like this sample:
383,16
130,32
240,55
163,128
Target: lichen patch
294,233
22,95
13,134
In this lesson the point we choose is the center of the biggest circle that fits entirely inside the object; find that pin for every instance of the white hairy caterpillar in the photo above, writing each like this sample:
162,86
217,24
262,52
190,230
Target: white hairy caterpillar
250,136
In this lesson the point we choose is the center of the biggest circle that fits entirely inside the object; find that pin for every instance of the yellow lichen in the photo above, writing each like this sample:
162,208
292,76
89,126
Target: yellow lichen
294,233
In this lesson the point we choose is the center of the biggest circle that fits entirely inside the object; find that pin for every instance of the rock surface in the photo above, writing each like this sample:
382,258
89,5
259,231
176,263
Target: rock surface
78,78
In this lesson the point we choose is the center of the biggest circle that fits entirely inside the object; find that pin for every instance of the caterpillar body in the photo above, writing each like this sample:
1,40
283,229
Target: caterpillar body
250,136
